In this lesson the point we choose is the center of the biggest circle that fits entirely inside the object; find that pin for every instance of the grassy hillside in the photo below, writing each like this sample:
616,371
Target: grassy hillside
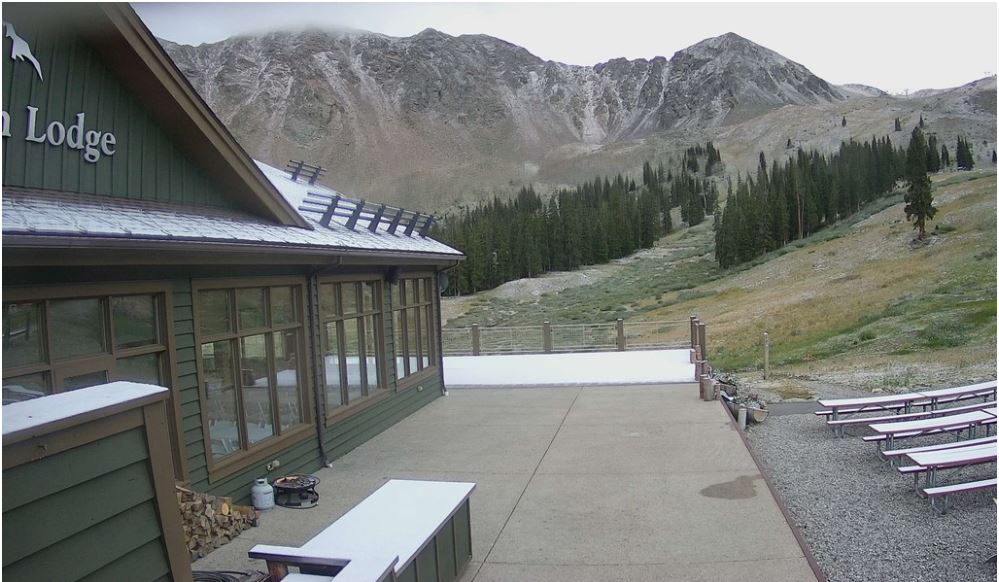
858,304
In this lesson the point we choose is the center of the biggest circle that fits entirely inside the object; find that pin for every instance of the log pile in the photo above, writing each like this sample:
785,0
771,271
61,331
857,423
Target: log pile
210,522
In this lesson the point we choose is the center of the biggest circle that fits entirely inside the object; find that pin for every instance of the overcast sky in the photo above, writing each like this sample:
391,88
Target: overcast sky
893,46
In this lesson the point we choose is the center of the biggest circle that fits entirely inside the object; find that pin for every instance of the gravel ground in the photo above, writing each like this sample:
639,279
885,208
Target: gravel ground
864,521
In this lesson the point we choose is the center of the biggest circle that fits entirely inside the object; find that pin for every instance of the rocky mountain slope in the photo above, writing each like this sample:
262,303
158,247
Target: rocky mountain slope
434,120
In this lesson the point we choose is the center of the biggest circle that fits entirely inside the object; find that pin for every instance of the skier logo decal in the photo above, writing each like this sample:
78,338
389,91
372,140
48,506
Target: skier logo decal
19,50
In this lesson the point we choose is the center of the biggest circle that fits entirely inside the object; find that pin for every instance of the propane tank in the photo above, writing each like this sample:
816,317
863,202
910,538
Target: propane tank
262,494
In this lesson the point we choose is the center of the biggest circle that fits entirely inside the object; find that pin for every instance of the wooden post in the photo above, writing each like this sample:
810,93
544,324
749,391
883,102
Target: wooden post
693,330
702,339
546,336
695,354
620,335
698,369
475,339
766,355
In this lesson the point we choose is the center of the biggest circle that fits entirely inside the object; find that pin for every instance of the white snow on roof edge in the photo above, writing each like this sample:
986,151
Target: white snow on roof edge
38,412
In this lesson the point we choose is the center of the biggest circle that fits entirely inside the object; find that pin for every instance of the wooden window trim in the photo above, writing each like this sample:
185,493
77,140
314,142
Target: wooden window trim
162,289
425,311
257,452
383,390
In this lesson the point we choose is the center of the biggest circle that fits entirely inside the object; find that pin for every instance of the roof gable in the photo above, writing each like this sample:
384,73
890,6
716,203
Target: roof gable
101,61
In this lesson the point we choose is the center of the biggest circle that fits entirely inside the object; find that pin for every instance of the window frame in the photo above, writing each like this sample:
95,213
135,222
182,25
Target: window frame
163,291
384,387
251,454
426,310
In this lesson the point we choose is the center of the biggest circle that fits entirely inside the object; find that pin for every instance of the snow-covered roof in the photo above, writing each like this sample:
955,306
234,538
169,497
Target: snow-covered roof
43,213
19,418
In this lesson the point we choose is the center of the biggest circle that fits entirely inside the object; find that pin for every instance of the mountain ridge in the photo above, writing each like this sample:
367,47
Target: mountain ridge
434,119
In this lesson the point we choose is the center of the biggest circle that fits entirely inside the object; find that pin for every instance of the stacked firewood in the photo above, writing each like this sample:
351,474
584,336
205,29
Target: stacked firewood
210,522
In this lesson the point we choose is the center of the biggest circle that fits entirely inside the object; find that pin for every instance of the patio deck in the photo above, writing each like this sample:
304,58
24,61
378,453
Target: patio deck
575,484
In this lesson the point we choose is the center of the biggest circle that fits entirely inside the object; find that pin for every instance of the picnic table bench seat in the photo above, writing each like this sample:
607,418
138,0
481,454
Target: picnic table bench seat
911,415
888,402
416,531
938,447
944,491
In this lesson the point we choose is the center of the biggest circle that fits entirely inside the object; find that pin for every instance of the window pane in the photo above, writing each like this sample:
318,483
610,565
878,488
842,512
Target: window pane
22,335
371,351
134,318
78,326
334,395
428,290
400,353
85,380
368,296
411,292
26,387
348,292
213,312
282,306
220,388
289,392
397,294
355,367
250,303
425,336
144,369
256,379
412,335
327,300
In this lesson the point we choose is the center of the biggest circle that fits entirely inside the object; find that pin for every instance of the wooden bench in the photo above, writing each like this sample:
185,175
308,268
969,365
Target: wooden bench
911,415
943,492
939,447
414,531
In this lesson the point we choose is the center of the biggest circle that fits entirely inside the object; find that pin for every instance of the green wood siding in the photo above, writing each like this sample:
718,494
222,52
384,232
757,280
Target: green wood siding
56,530
147,164
446,555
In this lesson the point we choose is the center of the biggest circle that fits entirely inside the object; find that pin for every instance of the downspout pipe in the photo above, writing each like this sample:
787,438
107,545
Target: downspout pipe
317,354
439,322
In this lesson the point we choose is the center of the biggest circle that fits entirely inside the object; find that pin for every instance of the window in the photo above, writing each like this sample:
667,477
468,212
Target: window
251,355
415,326
61,344
351,325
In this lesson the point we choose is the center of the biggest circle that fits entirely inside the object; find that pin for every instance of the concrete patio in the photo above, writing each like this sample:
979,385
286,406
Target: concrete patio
574,484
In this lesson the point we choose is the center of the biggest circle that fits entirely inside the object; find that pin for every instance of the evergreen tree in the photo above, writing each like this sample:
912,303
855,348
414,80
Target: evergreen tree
919,198
788,146
843,123
944,156
932,155
922,124
898,124
993,157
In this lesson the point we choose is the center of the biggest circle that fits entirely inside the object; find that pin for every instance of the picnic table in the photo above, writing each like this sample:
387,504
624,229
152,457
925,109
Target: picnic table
916,427
935,396
871,403
934,461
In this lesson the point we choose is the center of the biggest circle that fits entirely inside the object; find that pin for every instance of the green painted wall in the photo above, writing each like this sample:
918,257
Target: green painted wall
146,165
303,457
445,556
55,531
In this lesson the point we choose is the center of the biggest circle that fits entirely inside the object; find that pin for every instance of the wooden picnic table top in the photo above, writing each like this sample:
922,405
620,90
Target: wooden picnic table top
907,397
872,400
954,457
959,390
932,423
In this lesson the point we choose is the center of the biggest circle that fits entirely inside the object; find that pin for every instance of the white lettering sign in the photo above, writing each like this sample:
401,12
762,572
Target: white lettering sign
90,142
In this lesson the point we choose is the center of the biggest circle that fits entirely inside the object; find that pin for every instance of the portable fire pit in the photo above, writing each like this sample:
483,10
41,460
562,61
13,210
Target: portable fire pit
297,491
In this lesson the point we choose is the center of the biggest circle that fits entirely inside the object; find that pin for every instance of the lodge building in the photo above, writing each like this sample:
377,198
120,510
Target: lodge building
140,242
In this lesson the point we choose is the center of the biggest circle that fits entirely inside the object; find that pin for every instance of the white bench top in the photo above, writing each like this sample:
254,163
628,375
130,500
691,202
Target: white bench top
960,390
932,423
387,529
959,487
962,456
909,396
872,400
940,447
